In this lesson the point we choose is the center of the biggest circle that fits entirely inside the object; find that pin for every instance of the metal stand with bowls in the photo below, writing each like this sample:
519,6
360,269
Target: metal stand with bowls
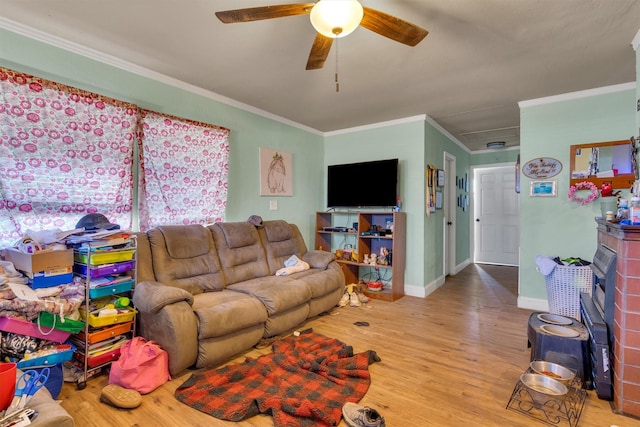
550,393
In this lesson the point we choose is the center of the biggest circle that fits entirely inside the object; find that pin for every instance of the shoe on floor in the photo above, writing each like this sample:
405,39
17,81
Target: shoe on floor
363,298
354,300
361,416
345,299
120,397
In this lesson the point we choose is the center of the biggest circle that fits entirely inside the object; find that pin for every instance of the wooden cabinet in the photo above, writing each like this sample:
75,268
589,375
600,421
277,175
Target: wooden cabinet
355,236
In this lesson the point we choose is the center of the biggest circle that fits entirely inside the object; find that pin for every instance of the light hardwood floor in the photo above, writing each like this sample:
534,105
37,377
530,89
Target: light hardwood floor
451,359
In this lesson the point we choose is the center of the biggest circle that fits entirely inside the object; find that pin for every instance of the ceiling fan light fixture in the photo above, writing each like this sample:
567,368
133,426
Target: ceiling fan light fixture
336,18
495,144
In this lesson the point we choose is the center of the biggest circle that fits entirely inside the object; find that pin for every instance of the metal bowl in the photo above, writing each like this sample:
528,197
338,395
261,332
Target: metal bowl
543,388
553,370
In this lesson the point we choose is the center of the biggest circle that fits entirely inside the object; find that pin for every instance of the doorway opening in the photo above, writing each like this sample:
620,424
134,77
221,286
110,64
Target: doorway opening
496,216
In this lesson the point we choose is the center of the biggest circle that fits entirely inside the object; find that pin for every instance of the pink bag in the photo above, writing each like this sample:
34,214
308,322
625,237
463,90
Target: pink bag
143,366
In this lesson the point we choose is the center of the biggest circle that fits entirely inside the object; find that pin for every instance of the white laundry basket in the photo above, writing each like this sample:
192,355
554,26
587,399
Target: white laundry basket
564,285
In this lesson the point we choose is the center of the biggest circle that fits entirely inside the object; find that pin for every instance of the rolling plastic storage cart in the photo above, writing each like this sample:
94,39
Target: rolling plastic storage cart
109,274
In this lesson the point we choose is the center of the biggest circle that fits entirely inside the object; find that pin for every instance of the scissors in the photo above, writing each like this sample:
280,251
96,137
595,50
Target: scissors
28,384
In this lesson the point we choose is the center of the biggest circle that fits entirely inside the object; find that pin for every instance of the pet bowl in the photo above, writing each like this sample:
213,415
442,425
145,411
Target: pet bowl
553,370
542,388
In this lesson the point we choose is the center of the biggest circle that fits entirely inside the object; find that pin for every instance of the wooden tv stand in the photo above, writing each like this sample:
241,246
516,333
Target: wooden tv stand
335,232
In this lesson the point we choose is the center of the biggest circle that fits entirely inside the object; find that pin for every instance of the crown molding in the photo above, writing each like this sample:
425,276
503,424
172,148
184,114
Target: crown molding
636,41
419,118
446,133
107,59
577,95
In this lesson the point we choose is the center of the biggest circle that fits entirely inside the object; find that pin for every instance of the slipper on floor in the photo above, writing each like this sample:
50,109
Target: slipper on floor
120,397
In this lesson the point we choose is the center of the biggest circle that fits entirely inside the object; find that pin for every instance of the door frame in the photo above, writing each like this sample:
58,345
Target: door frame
472,204
449,236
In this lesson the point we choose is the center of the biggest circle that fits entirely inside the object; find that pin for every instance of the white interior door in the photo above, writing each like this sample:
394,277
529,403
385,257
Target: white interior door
496,216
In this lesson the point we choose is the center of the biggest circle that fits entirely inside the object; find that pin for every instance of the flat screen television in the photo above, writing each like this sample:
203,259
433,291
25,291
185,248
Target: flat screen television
363,185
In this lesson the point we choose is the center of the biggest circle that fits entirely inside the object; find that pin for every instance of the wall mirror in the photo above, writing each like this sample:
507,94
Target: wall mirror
601,162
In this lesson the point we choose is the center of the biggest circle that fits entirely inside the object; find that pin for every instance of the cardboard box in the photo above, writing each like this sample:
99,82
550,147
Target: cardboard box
40,261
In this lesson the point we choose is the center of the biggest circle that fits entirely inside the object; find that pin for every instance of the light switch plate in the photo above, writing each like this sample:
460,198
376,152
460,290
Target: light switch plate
273,205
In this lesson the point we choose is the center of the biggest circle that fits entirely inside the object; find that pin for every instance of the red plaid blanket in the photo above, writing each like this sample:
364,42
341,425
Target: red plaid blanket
305,381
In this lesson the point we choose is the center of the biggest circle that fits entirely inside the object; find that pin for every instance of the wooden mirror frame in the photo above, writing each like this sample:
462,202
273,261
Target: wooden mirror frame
619,181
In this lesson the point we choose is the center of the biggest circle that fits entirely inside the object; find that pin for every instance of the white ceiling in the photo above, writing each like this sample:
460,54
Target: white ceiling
480,58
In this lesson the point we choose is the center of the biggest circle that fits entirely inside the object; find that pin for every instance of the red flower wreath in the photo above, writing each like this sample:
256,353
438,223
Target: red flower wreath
584,185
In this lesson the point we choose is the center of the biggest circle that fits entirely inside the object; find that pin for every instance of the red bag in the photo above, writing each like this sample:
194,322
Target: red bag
143,366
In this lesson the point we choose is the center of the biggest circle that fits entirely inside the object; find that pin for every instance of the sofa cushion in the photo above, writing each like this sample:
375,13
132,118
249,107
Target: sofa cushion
239,262
277,231
281,240
222,313
185,256
321,282
277,293
238,234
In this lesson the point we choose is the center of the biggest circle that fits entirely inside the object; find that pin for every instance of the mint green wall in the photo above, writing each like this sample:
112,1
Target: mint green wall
248,131
406,143
556,226
436,144
495,157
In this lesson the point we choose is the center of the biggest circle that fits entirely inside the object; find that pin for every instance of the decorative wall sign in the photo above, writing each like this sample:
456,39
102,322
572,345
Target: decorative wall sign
542,168
276,173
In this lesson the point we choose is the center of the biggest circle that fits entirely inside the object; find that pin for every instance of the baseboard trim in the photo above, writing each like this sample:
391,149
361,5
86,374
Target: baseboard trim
533,304
423,291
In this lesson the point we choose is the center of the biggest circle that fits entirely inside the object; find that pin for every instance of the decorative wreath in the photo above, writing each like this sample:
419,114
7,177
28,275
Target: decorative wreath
584,185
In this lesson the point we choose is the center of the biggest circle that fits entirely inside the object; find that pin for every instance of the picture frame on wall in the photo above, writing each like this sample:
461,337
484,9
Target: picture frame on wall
276,172
440,178
438,199
543,188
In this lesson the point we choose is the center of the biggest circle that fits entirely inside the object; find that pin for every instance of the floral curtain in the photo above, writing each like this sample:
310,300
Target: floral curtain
64,152
184,167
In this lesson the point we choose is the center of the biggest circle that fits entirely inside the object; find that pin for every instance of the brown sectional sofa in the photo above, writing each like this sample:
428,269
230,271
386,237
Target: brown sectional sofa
207,293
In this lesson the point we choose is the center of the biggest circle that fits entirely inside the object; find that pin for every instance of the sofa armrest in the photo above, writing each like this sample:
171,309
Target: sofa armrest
166,316
318,259
151,297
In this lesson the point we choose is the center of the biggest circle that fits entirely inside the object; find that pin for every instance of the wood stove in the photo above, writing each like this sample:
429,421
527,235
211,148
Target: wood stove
597,313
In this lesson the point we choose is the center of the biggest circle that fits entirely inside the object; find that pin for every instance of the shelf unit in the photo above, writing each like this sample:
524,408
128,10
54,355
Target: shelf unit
364,243
109,276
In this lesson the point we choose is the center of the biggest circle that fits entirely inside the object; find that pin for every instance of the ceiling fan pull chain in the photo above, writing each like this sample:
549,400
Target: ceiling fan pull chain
337,83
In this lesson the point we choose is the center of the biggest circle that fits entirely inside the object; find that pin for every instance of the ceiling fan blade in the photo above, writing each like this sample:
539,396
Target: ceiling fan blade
319,52
264,12
392,27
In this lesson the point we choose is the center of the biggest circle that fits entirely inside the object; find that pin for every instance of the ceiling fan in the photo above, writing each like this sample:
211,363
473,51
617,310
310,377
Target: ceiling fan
332,19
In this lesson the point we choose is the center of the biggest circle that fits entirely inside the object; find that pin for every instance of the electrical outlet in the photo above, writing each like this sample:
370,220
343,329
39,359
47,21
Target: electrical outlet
273,205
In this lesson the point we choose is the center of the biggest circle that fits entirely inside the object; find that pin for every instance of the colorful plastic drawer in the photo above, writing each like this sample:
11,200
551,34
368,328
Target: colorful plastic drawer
93,361
104,291
51,359
106,257
104,270
108,332
100,321
22,327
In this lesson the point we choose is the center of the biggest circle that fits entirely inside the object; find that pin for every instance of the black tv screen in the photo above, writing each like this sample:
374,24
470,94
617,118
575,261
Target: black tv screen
363,185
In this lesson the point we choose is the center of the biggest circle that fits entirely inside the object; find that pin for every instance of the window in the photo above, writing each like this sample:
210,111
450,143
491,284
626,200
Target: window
185,168
66,152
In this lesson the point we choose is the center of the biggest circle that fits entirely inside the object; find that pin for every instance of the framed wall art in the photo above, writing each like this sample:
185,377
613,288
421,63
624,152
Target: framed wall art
276,173
543,188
